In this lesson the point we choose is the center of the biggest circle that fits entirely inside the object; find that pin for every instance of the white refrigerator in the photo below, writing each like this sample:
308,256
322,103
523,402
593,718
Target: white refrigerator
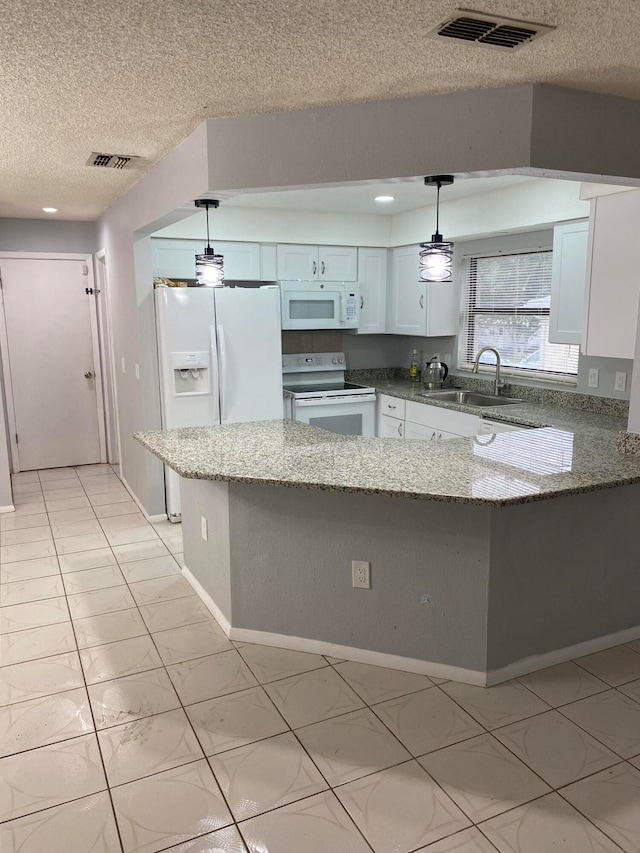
220,360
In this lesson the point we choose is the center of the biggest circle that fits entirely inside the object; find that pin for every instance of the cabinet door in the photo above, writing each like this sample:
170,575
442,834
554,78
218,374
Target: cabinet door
406,305
297,263
568,277
338,263
443,308
613,281
420,431
175,258
372,279
241,260
389,427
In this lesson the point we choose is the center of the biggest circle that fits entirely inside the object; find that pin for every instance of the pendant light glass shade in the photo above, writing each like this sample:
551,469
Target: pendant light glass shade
209,266
436,257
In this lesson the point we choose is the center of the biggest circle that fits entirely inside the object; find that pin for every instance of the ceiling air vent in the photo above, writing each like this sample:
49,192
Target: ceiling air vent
112,161
488,30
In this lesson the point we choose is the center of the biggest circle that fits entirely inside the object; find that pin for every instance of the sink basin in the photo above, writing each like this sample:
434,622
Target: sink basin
470,398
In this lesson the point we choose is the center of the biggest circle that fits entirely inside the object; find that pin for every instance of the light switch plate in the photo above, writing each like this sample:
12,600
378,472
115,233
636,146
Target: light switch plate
593,377
123,365
204,528
136,369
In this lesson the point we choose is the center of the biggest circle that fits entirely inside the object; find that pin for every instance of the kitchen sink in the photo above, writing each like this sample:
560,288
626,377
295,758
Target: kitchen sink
470,398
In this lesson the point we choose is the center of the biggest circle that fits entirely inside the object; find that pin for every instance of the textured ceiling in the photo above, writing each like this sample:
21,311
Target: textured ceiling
136,78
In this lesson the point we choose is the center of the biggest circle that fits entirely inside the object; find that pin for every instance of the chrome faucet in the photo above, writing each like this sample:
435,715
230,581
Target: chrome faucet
497,385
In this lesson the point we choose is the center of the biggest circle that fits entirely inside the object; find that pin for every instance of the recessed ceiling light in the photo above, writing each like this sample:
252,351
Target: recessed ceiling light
384,199
50,209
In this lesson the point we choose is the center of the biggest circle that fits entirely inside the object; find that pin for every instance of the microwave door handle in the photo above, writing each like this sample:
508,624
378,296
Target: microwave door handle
223,373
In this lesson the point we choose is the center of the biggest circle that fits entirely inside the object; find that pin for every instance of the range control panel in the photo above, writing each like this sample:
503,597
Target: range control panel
312,361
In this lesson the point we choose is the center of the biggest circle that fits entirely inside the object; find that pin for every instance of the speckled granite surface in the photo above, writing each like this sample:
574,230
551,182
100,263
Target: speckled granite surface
577,453
629,442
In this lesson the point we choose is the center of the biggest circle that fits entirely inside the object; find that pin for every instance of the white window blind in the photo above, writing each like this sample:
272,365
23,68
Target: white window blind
506,305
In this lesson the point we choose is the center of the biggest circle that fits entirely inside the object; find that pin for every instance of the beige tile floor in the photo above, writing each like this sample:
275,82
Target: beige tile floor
128,722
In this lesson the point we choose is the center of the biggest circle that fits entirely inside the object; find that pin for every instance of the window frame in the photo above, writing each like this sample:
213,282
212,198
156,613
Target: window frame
467,328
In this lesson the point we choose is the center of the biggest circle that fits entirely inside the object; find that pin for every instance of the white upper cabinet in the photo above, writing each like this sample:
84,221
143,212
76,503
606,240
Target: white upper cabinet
241,260
337,263
297,262
613,276
174,258
568,281
415,307
372,281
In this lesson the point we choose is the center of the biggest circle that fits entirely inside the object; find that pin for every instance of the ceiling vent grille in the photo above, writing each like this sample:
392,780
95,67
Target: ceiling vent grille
488,30
112,161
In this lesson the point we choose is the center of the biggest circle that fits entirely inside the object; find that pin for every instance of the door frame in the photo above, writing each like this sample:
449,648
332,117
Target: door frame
4,351
105,326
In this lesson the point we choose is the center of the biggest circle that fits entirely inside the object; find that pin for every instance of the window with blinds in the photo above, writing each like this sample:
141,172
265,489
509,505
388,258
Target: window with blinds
506,305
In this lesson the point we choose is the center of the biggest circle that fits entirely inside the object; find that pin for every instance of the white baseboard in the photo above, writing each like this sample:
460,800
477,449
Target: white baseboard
209,603
152,519
536,662
319,647
8,508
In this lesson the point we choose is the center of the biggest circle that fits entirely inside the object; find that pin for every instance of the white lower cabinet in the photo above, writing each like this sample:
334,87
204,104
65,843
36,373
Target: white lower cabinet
399,418
389,427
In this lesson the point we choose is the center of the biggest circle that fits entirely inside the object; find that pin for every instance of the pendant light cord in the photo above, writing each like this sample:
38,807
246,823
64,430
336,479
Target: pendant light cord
438,208
207,210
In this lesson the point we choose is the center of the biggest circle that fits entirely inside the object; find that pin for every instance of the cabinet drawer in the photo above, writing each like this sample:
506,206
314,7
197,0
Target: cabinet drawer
458,423
393,406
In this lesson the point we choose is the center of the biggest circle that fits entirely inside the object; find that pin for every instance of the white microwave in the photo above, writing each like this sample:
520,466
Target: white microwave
319,305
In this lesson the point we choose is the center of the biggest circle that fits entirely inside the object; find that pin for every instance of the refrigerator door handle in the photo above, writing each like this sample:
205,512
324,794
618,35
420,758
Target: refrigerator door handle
215,381
223,373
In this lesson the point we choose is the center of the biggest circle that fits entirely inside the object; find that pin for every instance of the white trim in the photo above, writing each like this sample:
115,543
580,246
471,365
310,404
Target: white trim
209,603
152,519
320,647
8,388
536,662
8,508
97,362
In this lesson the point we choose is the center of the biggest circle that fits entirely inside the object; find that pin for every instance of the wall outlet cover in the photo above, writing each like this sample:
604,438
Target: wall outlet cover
360,574
593,377
123,365
621,381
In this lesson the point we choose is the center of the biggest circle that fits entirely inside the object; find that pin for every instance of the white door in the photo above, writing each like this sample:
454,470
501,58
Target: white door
338,263
50,321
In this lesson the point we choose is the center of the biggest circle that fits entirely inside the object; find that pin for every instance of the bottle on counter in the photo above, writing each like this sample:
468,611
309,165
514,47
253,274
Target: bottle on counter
413,367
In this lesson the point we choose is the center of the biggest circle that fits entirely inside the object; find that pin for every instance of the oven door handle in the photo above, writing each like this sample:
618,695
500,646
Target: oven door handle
335,401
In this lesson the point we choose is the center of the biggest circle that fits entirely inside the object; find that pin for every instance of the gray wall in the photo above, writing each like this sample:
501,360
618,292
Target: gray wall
562,572
47,235
291,553
208,561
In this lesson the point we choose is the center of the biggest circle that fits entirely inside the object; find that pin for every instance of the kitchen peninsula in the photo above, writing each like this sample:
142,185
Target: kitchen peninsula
490,556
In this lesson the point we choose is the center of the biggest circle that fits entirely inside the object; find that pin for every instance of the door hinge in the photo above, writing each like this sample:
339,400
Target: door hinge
85,269
17,442
88,291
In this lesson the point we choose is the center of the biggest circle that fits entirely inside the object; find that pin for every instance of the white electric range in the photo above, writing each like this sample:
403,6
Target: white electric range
315,392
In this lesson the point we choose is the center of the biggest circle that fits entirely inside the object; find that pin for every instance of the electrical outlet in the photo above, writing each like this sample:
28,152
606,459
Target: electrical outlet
136,370
593,377
123,365
204,528
621,382
360,574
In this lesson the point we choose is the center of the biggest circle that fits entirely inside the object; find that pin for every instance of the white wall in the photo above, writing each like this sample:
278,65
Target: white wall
526,206
257,225
179,178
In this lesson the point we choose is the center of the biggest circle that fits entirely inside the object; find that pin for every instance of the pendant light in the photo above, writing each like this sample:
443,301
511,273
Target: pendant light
436,257
209,266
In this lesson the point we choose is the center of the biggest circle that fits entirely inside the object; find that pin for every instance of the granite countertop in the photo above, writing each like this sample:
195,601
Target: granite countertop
572,452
